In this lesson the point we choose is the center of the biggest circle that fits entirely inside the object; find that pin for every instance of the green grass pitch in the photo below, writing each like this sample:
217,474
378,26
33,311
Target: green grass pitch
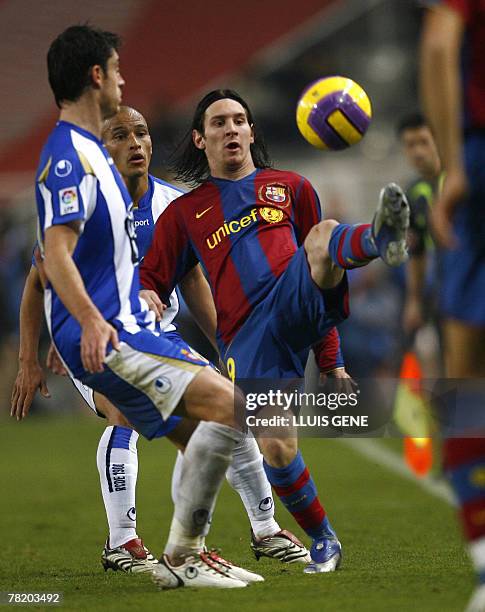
402,547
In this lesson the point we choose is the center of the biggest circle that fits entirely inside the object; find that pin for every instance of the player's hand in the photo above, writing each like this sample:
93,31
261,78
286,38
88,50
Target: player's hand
155,304
54,362
412,315
454,190
341,380
30,377
96,334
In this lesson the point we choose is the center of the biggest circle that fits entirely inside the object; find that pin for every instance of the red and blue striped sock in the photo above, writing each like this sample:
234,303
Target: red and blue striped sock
352,246
297,491
464,460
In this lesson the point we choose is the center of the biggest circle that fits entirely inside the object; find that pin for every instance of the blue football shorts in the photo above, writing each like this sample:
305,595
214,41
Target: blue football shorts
463,268
276,338
146,379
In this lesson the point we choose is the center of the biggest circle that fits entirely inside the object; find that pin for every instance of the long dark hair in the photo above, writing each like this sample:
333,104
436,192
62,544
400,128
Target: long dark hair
190,163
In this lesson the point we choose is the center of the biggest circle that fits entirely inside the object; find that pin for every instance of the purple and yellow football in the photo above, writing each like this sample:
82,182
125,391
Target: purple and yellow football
333,113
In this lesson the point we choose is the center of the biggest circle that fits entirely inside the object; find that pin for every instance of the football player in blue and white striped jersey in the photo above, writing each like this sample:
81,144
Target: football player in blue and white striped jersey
105,334
128,141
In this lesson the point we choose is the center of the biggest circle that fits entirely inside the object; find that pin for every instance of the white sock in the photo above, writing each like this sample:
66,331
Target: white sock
206,459
477,553
176,474
117,460
246,475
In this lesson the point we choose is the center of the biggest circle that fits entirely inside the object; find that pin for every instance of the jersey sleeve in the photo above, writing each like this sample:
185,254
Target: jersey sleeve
170,255
64,189
328,352
307,209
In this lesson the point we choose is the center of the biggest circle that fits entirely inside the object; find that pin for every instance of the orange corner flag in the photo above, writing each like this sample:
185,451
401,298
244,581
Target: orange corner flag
412,416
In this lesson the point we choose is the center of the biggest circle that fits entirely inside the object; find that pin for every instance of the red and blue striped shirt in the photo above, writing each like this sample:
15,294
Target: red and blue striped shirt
244,233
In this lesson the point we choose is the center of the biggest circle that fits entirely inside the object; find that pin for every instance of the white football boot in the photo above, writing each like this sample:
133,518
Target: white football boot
283,546
234,571
198,570
131,558
390,225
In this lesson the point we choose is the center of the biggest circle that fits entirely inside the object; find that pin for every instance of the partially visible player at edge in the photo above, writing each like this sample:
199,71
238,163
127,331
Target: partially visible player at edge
104,333
455,107
127,138
276,272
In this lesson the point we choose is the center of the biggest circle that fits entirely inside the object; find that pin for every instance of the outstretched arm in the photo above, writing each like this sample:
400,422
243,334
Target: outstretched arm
30,375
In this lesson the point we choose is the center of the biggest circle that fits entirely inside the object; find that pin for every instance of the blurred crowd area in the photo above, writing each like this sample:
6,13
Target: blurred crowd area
372,41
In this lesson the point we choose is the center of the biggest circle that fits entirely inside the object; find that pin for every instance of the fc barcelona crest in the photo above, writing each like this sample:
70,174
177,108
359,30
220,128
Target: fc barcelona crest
275,193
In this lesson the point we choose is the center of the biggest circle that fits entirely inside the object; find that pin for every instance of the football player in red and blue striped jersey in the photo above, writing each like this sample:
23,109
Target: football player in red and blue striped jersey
454,38
276,271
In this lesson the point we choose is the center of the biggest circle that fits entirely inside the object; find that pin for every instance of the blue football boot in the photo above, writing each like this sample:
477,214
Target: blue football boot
390,225
326,553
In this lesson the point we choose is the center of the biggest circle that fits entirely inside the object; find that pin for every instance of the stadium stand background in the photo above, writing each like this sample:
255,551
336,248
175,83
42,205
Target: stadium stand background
173,52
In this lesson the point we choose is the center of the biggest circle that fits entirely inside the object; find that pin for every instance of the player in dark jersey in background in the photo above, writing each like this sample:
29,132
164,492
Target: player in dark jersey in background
420,150
455,107
276,272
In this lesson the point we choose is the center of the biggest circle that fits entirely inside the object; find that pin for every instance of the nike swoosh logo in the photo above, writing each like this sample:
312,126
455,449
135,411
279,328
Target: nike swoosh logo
200,214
